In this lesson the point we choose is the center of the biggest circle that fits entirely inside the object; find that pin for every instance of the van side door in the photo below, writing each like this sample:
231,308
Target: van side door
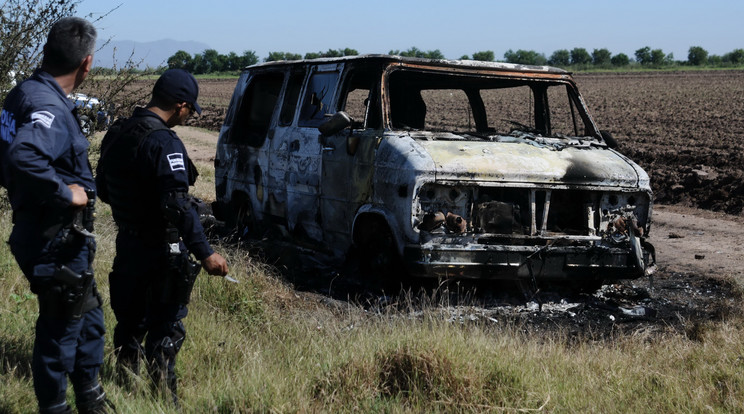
303,148
348,157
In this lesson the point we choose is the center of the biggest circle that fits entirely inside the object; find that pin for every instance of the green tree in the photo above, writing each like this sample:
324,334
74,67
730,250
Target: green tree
331,53
210,61
525,57
198,65
580,56
697,56
621,59
232,62
485,56
658,57
213,61
180,60
643,55
434,54
561,57
276,56
418,53
601,57
248,58
736,57
411,52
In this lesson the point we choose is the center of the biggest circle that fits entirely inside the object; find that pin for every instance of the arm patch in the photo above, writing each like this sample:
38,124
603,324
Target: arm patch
175,161
45,118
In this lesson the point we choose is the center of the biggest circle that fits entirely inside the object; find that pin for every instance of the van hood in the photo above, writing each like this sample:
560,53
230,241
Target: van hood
543,161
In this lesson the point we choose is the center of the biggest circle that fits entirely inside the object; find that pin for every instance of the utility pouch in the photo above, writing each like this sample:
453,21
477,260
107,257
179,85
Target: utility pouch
180,278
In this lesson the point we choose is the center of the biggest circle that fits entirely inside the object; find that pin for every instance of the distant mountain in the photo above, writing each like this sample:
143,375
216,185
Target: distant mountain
152,54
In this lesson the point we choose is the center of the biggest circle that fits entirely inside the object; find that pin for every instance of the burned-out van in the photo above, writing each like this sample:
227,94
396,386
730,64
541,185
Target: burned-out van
443,168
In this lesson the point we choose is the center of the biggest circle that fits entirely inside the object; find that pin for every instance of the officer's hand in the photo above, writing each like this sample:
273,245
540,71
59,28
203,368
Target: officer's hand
79,198
215,265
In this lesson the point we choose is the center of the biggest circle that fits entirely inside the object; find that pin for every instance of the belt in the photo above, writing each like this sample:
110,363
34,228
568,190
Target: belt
147,234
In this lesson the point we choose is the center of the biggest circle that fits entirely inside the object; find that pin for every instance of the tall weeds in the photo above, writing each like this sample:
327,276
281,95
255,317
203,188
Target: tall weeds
261,346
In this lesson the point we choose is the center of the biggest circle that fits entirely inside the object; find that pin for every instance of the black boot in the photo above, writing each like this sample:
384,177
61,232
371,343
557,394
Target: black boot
161,370
59,407
127,368
91,399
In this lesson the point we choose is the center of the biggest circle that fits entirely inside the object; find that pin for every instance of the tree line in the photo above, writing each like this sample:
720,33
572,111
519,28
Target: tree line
211,61
645,56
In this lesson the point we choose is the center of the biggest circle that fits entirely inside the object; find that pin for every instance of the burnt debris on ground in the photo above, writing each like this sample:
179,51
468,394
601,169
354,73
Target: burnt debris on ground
670,303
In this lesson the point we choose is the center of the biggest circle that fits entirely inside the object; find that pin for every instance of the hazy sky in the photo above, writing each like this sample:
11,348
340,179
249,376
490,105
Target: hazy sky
456,28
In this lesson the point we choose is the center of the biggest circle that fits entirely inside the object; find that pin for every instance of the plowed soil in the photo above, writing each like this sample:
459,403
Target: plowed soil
685,129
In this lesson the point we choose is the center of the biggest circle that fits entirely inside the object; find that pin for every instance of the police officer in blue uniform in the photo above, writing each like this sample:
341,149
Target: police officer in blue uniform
51,189
144,173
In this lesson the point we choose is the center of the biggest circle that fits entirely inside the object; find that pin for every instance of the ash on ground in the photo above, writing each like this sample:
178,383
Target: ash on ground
671,303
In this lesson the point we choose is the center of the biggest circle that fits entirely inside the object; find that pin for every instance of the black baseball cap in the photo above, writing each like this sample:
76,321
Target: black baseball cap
178,85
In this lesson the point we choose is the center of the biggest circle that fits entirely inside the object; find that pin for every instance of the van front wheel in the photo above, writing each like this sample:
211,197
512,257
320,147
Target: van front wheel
378,256
244,220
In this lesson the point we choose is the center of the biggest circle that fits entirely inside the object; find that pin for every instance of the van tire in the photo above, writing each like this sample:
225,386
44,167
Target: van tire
377,253
244,220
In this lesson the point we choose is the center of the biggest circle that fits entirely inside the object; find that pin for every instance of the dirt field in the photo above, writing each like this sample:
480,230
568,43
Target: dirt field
686,130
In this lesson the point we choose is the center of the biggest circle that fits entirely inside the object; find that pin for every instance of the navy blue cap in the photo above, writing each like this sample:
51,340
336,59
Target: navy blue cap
179,85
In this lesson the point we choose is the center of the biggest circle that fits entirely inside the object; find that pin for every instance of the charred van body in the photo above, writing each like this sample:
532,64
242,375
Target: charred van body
445,168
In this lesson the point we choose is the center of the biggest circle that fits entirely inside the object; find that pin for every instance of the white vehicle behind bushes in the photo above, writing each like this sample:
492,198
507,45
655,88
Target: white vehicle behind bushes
92,114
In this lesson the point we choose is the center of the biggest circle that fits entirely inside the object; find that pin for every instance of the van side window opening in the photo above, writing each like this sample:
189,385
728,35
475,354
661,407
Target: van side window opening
291,96
253,118
479,105
359,103
564,118
509,108
318,97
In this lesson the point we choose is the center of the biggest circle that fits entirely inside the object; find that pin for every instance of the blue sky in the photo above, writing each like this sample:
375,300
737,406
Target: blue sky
456,28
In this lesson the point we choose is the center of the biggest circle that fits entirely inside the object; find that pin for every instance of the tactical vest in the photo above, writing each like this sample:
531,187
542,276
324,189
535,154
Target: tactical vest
118,164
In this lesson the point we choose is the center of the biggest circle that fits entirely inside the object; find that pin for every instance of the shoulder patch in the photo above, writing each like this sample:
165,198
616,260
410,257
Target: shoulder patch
176,161
44,118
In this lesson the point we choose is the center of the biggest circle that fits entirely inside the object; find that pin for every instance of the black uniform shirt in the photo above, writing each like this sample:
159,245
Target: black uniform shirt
161,168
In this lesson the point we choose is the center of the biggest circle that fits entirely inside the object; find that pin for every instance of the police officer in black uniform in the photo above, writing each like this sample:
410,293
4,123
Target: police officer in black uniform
51,190
144,173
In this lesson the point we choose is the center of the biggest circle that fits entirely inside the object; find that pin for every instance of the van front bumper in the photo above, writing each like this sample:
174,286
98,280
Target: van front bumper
591,260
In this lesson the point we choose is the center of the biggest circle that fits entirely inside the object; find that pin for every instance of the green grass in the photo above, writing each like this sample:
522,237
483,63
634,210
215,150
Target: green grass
260,346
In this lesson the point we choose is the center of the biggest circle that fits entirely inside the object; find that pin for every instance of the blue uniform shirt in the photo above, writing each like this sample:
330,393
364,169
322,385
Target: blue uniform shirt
42,148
